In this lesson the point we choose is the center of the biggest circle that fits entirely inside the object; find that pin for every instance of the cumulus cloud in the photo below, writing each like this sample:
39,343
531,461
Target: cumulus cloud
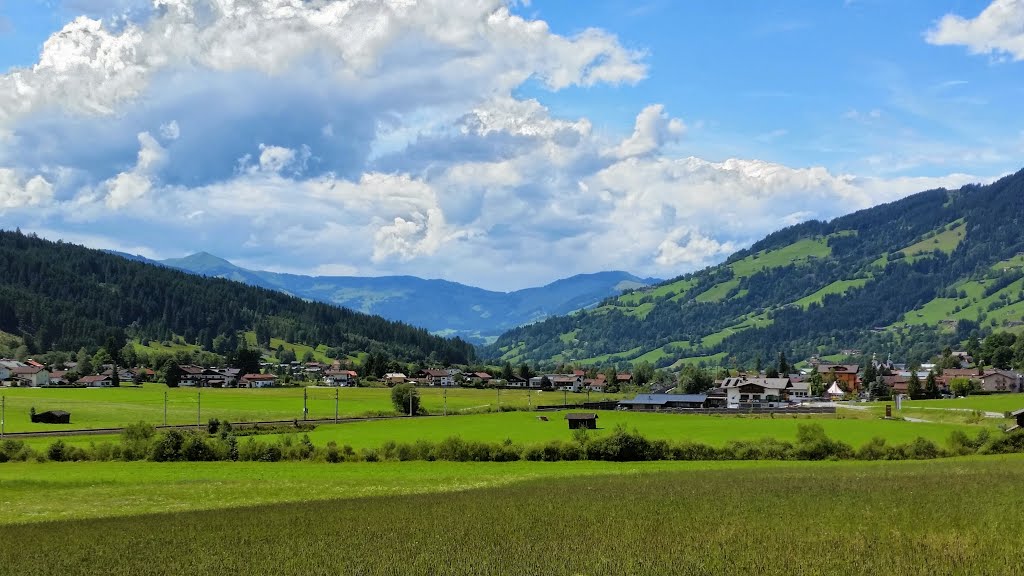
998,30
653,129
16,192
367,46
130,186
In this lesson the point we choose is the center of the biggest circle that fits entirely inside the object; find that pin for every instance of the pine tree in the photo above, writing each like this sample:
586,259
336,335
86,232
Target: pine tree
931,387
914,386
783,364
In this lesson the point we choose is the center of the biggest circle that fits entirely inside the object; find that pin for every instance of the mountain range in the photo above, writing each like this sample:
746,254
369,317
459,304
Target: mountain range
903,278
442,307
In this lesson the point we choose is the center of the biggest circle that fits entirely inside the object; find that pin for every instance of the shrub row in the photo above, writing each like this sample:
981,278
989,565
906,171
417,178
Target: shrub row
142,442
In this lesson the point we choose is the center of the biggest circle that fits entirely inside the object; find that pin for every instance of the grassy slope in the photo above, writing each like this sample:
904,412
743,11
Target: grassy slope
834,516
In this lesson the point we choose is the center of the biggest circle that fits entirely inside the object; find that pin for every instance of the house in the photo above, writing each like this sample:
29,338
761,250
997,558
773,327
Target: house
950,374
30,376
742,391
664,401
257,381
340,378
517,382
845,374
963,357
598,384
437,377
52,417
1000,381
587,421
58,378
203,377
98,381
480,377
623,378
395,378
567,382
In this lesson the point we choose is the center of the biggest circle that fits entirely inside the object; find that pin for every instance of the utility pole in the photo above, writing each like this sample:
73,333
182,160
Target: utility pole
199,410
305,406
529,400
336,405
3,414
410,401
499,399
165,408
565,397
444,394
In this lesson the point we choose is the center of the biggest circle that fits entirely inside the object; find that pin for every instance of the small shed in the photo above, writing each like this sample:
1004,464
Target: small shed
1019,415
52,417
587,420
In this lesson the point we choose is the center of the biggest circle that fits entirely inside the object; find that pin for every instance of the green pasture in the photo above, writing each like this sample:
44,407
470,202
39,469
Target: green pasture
898,518
531,428
93,408
992,403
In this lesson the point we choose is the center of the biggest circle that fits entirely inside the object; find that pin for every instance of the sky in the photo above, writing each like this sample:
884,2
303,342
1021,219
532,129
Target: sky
499,144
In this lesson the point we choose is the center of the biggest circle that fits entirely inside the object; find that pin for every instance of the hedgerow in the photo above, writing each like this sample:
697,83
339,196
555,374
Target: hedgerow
142,442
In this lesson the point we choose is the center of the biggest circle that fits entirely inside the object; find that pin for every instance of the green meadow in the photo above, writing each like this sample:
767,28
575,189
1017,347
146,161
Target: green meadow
822,518
93,408
530,428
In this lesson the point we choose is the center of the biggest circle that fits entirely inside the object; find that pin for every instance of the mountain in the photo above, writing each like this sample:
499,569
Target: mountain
904,278
440,306
59,296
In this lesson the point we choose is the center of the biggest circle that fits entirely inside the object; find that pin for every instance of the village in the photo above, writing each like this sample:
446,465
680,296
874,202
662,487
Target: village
815,383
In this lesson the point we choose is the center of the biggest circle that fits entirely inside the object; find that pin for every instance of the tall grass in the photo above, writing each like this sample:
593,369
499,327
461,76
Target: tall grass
866,518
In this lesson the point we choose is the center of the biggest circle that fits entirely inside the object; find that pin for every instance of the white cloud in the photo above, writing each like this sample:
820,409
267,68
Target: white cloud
386,46
17,192
998,30
692,249
653,129
130,186
170,131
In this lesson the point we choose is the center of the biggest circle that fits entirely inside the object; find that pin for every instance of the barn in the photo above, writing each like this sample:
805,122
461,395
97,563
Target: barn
587,420
52,417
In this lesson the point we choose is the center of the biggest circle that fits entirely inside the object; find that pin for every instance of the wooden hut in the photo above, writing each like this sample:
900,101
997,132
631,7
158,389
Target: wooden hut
587,420
52,417
1019,415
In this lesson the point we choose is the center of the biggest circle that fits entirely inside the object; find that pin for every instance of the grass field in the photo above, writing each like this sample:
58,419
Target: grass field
523,518
527,428
114,407
993,403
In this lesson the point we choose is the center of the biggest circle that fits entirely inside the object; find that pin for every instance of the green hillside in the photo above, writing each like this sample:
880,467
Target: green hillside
938,266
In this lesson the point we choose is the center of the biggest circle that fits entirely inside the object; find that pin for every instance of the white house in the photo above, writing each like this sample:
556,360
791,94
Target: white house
438,377
767,392
33,376
340,378
567,382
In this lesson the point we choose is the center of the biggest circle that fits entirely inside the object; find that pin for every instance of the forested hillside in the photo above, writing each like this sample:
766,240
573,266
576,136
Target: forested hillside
901,278
59,296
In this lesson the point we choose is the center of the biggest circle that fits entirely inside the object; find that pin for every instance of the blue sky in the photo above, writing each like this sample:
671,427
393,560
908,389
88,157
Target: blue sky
498,145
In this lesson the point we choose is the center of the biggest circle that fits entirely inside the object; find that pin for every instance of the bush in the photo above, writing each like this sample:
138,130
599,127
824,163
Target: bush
196,449
57,451
813,444
167,447
1006,444
922,449
692,451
